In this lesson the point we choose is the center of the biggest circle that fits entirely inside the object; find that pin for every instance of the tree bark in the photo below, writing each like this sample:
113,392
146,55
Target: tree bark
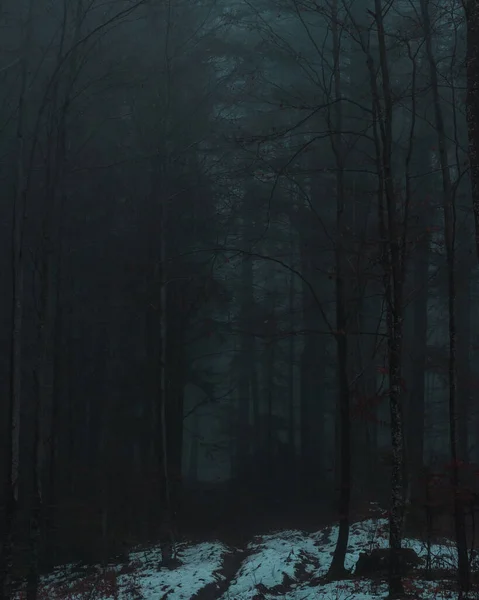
243,450
337,565
312,369
418,356
464,278
393,266
449,211
291,351
12,455
472,104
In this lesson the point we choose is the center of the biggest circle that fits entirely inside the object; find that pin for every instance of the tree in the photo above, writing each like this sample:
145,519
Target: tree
12,455
341,297
449,210
472,102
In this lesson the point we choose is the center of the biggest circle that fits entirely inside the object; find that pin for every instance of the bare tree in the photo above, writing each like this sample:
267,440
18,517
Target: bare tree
337,566
449,210
472,65
392,220
12,454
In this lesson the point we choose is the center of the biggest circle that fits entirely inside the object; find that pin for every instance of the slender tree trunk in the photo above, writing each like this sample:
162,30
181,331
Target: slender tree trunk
397,482
248,435
41,401
33,577
393,267
337,568
70,408
106,432
153,357
168,510
459,516
49,252
176,369
194,449
418,356
51,496
243,450
291,351
472,100
270,356
337,565
463,321
255,396
58,391
449,210
312,401
12,454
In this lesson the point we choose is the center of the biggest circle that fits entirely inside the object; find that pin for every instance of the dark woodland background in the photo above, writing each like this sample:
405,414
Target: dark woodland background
239,273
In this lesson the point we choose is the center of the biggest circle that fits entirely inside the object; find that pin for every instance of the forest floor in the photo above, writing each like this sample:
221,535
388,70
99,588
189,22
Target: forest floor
286,565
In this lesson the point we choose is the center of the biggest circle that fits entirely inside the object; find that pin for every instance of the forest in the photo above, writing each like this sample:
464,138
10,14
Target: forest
239,277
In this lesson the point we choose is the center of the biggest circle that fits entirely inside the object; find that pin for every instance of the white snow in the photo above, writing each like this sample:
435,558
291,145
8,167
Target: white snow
285,565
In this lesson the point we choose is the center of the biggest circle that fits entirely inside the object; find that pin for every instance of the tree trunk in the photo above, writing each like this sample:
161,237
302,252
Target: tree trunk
255,395
337,568
12,454
194,449
243,450
463,321
312,400
449,211
270,356
472,104
176,368
168,512
58,390
418,357
43,403
291,351
397,483
393,258
42,406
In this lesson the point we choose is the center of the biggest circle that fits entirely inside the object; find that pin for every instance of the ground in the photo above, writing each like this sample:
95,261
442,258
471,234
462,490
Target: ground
286,565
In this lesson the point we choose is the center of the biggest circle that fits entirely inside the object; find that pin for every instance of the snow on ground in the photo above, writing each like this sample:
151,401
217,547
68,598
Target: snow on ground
140,578
199,563
277,556
287,565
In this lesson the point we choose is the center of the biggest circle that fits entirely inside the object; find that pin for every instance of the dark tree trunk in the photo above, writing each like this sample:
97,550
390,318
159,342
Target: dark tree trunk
397,482
176,368
12,454
449,213
270,357
49,251
243,448
472,99
393,265
255,396
312,395
59,389
194,449
337,565
12,442
416,386
291,351
341,334
463,322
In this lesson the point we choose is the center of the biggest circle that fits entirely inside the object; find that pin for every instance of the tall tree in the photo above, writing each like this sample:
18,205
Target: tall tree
472,102
342,209
12,454
449,212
